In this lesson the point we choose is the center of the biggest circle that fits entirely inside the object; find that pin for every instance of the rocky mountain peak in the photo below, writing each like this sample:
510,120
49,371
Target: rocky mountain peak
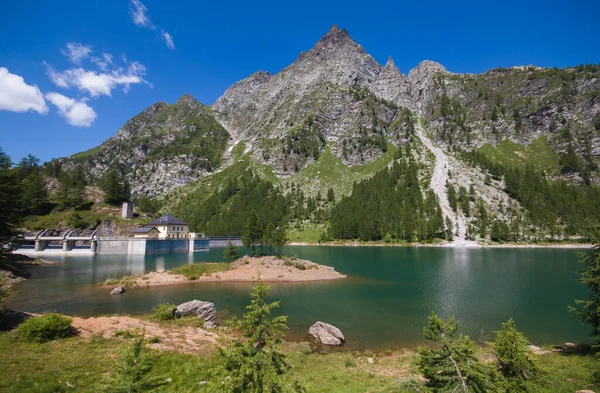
426,67
336,41
390,63
421,81
188,100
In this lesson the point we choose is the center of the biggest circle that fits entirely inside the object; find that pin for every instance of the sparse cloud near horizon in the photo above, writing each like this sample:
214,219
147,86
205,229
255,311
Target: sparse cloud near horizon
139,15
77,113
17,96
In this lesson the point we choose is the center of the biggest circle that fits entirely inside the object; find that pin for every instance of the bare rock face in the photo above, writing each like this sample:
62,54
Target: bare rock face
393,86
162,148
326,334
203,310
118,290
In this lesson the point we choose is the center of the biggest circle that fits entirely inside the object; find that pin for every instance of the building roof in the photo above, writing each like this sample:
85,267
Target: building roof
144,229
167,220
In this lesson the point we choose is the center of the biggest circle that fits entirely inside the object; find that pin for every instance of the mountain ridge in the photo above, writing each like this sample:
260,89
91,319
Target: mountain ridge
336,99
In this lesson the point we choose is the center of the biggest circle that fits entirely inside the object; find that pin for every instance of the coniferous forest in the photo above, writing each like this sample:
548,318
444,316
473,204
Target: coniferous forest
390,204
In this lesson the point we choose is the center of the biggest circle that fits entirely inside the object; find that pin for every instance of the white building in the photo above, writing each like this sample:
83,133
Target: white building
168,227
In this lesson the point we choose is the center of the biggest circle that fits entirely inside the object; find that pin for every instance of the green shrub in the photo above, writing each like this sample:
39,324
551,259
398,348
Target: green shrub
291,261
112,281
193,271
153,340
412,383
163,312
124,333
45,328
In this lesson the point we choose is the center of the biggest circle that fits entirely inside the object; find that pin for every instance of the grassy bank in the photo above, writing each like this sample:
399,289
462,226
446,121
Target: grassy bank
82,365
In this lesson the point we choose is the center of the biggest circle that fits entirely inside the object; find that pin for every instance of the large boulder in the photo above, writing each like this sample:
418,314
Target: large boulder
203,310
118,290
326,334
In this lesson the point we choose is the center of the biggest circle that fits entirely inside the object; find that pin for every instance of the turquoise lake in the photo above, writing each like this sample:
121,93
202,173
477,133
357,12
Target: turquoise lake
384,302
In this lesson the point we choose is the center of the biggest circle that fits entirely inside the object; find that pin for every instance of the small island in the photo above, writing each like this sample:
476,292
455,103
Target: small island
245,269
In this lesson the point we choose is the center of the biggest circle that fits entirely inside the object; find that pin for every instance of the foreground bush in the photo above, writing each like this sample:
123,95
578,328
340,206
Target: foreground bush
45,328
134,370
163,312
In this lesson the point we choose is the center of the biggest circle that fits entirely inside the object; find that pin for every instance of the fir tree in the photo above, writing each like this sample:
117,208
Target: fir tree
253,232
452,196
588,311
256,363
463,200
115,186
9,201
268,237
34,194
452,364
330,195
515,359
134,370
231,252
279,239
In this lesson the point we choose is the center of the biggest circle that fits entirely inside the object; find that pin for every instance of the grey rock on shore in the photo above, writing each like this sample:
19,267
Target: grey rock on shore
204,310
326,334
118,290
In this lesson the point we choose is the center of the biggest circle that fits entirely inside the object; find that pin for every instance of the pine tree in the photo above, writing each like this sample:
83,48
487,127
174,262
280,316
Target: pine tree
588,311
231,252
330,195
256,363
9,201
452,364
34,194
78,183
115,186
134,370
268,237
253,232
279,239
452,196
463,201
515,359
449,229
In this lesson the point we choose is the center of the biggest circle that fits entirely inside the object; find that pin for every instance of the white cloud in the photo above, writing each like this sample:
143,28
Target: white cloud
168,39
77,113
76,52
99,83
139,14
18,96
104,62
138,11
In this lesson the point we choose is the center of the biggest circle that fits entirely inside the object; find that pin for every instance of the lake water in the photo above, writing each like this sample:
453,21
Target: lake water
384,302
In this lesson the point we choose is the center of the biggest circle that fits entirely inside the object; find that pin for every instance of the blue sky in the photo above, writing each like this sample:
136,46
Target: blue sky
81,99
